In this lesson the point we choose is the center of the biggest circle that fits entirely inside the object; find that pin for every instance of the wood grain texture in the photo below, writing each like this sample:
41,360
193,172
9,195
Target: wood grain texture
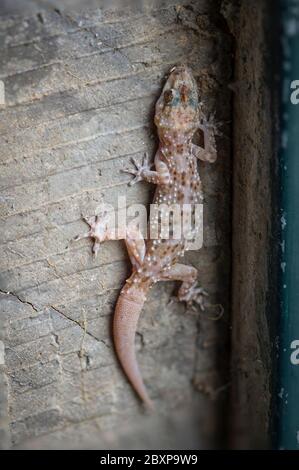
255,302
80,93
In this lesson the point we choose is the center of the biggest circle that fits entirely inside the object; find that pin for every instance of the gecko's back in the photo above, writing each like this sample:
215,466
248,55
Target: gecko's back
178,185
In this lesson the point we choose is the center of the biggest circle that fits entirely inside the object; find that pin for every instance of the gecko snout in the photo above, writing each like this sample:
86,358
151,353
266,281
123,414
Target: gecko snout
180,76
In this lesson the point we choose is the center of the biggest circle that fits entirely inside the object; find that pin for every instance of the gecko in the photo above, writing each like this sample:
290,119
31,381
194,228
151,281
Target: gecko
178,115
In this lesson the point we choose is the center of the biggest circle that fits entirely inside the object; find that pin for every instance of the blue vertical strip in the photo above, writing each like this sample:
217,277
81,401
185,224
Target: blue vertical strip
288,391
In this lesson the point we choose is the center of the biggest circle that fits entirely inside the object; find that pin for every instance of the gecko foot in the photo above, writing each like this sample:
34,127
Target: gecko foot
97,231
211,125
137,172
193,294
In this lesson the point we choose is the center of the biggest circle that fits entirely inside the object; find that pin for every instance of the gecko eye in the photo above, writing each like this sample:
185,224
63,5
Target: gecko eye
168,96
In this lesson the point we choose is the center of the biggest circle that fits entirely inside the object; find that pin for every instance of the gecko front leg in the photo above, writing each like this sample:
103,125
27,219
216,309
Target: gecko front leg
189,291
143,172
209,152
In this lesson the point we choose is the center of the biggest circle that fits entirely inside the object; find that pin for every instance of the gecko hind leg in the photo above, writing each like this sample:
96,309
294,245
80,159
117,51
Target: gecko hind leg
189,291
100,231
90,234
135,246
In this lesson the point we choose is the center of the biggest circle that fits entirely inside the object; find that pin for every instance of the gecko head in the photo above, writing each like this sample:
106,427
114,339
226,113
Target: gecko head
177,109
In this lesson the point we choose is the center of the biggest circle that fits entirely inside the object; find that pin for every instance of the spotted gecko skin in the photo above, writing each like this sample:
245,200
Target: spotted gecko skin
178,116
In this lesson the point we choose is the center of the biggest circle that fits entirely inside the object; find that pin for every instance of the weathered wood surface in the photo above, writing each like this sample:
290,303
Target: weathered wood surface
80,94
255,302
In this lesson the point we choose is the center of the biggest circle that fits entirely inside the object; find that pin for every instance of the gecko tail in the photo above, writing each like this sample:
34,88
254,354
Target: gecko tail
125,321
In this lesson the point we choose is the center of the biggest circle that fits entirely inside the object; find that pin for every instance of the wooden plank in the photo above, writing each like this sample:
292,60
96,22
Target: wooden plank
76,111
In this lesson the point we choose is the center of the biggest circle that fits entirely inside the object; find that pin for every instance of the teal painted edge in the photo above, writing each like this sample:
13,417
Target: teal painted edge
288,345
